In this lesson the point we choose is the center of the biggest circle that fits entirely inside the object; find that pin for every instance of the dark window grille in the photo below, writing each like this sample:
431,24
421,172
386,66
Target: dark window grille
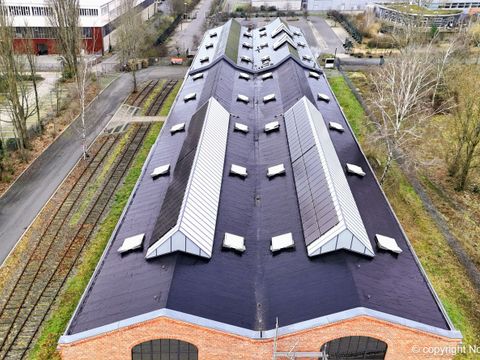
354,348
165,349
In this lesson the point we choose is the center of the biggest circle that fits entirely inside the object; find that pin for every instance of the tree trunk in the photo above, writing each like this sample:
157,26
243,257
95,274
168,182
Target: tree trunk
134,75
37,105
386,169
454,166
463,176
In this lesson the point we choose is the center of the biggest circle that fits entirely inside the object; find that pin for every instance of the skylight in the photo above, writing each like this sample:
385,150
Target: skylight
243,75
191,96
197,76
307,57
268,98
265,58
209,45
176,128
238,170
246,59
213,34
272,126
283,241
301,44
235,242
247,34
387,243
243,98
336,126
279,29
160,171
355,170
276,170
241,127
266,76
263,33
263,45
247,45
314,75
323,97
204,59
282,41
132,243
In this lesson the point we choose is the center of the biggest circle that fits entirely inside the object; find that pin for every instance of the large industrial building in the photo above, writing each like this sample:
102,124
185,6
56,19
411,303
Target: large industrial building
257,228
98,20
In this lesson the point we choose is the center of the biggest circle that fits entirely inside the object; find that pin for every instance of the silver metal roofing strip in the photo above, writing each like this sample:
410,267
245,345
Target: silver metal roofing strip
195,228
350,232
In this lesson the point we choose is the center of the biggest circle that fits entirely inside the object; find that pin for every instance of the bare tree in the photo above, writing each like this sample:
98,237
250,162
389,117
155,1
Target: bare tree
465,124
401,97
131,36
64,18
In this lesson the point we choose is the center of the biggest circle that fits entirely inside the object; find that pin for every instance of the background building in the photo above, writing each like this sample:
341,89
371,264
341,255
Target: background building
98,20
284,5
255,204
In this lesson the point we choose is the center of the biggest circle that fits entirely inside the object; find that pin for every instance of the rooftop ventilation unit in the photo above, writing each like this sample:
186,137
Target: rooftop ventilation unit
246,59
247,45
355,170
177,128
323,97
275,170
307,57
314,75
191,96
235,242
208,45
213,34
265,58
238,170
336,126
301,44
263,33
243,98
263,45
204,59
297,33
272,126
266,76
268,98
160,171
387,243
197,76
241,127
247,34
243,75
263,28
132,243
283,241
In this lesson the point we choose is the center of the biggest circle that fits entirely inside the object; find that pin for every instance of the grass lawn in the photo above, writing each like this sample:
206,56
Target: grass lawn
45,347
446,274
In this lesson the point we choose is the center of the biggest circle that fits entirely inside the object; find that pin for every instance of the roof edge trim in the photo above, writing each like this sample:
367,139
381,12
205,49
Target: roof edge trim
266,334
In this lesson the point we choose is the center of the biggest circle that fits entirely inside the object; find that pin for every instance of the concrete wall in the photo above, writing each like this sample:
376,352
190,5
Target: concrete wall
293,5
403,343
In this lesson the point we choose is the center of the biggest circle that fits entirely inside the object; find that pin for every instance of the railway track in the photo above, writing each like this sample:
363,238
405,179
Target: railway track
58,250
157,103
138,98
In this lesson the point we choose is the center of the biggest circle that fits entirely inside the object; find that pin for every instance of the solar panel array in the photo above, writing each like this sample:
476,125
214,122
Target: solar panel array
191,227
330,217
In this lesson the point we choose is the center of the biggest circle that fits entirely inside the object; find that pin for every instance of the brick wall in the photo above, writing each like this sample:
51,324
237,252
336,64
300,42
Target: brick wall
213,344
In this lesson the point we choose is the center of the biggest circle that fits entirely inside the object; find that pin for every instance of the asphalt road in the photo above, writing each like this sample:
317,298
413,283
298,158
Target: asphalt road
26,197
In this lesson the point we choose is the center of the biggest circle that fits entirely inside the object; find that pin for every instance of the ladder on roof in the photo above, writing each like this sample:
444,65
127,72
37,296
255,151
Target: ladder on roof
292,354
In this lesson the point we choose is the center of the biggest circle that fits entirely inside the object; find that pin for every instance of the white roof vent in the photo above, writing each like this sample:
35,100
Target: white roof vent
247,45
243,75
297,33
191,96
268,98
197,76
177,128
301,44
275,170
241,127
238,170
247,34
323,97
336,126
263,28
265,58
272,126
263,45
209,45
283,241
307,57
243,98
314,75
204,59
387,243
132,243
266,76
161,170
235,242
213,34
246,59
263,33
355,170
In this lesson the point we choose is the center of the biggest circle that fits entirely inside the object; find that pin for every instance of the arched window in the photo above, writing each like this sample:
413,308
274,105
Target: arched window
165,349
355,347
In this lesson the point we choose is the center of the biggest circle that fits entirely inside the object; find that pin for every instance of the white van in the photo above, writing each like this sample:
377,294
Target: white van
329,63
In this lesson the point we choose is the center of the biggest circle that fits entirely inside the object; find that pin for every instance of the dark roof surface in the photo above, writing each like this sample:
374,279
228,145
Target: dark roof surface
250,290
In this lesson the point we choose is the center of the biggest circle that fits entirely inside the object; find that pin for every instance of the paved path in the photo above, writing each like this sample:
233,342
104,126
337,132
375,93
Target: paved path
23,201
